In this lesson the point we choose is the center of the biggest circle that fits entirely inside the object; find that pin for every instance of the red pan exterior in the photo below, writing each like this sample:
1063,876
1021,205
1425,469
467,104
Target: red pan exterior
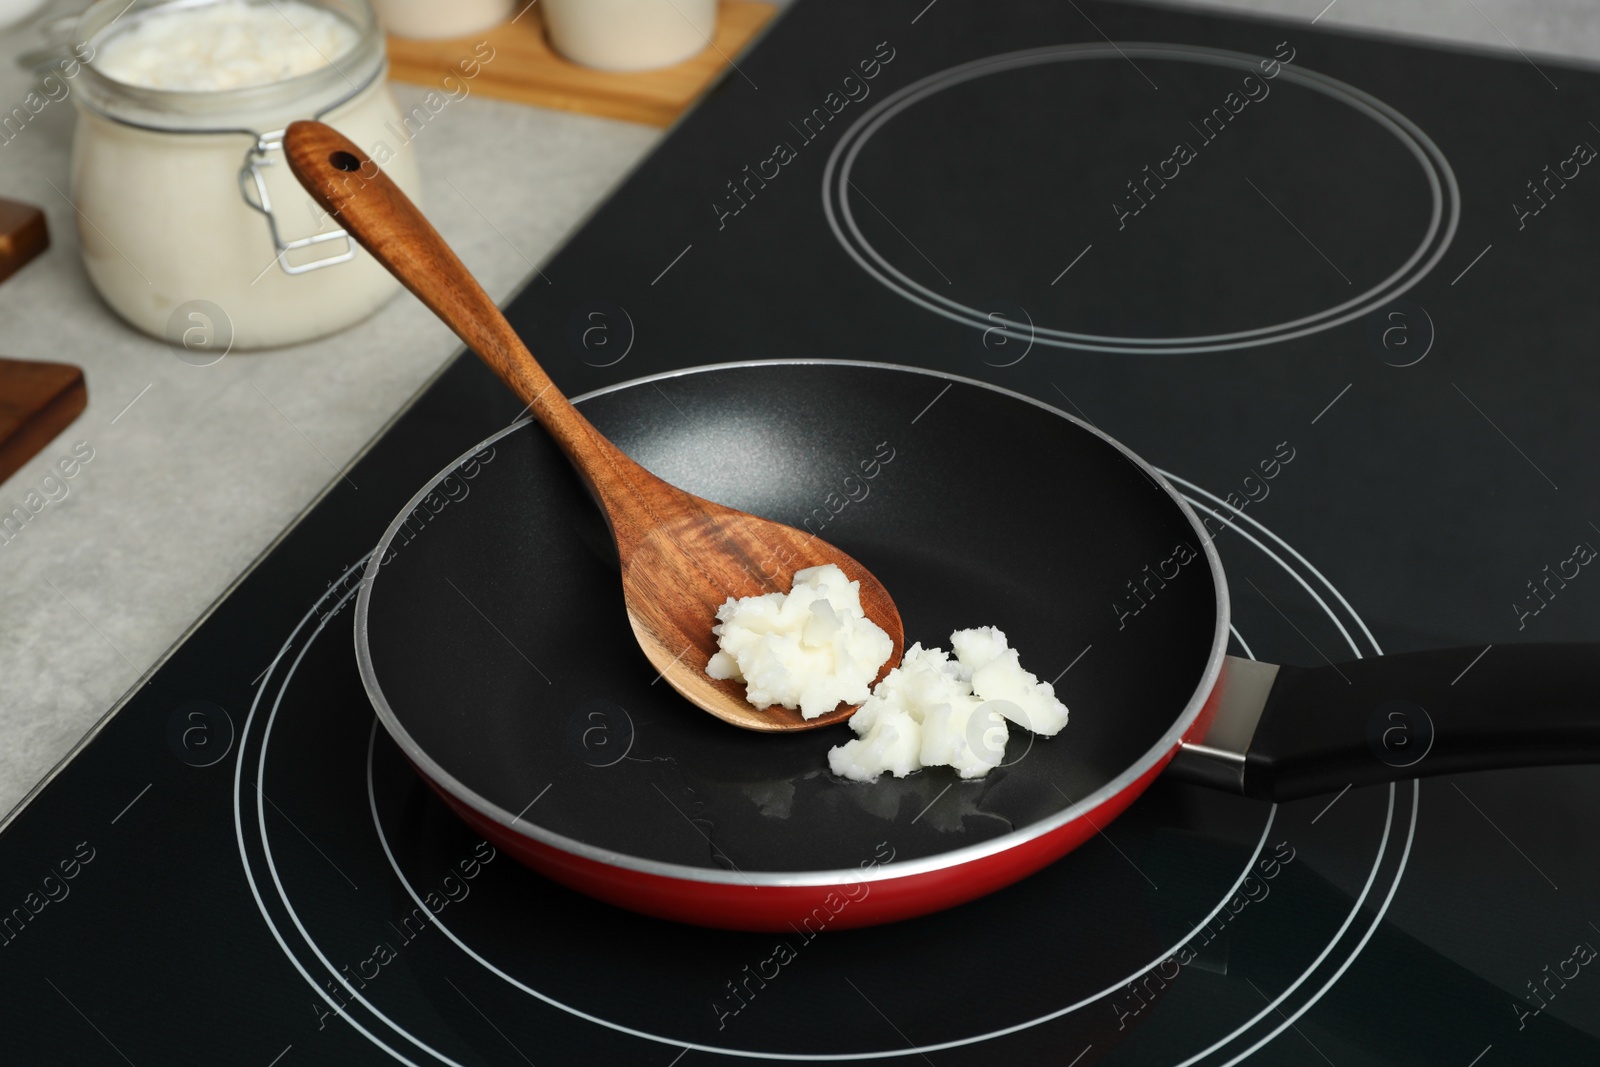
868,902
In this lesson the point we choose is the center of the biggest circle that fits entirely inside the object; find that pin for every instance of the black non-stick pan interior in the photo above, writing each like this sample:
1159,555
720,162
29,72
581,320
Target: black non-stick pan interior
497,634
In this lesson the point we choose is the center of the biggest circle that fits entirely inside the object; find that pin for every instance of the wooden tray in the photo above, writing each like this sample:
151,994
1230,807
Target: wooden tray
525,69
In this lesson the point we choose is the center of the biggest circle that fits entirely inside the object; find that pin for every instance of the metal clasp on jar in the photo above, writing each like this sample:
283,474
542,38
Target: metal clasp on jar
250,174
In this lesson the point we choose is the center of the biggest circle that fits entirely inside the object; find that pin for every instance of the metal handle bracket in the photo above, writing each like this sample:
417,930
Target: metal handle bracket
259,156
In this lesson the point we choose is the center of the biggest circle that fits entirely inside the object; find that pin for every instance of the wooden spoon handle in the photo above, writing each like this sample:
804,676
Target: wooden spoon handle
355,190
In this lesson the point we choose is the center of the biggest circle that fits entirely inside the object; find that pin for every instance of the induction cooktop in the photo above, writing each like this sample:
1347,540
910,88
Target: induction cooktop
1338,288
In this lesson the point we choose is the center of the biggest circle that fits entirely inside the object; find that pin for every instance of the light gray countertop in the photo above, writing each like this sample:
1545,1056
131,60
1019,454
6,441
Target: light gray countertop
204,469
196,470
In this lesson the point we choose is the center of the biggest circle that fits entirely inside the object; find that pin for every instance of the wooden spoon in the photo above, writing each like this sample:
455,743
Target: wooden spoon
682,556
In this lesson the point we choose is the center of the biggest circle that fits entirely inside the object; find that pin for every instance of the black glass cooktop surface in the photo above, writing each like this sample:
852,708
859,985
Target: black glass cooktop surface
1339,289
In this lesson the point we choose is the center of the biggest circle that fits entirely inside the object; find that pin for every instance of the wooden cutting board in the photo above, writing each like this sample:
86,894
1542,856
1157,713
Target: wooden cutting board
526,70
37,401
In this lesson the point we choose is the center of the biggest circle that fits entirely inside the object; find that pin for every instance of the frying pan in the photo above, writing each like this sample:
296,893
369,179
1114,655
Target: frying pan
492,642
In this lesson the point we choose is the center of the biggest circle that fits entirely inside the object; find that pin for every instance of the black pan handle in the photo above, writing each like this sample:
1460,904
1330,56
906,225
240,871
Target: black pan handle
1393,718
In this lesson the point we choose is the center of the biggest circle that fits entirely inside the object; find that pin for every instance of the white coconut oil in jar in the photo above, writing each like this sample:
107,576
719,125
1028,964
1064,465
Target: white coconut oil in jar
183,196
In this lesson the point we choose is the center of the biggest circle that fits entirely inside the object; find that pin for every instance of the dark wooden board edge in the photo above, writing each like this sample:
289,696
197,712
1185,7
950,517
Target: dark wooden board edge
24,234
37,402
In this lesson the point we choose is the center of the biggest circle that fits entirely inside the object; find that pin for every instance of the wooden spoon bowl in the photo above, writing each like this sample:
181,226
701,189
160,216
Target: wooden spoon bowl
682,556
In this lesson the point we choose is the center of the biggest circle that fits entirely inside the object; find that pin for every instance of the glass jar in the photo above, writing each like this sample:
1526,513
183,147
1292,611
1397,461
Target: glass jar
184,199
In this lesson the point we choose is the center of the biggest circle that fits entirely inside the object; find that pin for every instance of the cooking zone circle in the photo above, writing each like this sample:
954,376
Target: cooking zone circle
1141,213
395,812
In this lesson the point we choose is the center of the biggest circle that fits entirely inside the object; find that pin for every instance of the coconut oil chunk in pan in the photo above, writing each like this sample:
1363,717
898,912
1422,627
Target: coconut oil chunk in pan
934,710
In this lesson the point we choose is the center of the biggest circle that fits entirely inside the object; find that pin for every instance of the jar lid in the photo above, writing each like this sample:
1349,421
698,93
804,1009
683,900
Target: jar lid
255,108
